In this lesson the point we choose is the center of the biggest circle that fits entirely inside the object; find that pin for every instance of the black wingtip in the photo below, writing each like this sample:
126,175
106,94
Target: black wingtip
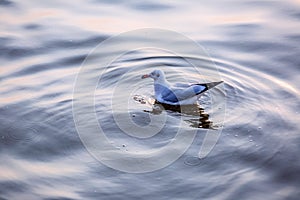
208,85
213,84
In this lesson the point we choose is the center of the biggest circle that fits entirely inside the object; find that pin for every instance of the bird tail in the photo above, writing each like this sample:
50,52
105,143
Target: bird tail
212,84
208,86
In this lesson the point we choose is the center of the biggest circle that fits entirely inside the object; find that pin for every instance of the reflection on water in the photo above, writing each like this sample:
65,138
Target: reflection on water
194,115
197,118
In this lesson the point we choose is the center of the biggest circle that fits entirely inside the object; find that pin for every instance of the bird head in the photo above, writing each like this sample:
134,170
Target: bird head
156,75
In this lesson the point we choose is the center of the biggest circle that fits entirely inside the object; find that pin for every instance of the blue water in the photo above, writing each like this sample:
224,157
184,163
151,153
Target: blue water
253,44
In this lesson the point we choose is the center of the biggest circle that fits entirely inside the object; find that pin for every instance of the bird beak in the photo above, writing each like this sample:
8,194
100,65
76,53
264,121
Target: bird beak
145,76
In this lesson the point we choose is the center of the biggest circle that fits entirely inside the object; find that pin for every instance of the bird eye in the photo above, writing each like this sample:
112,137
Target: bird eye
157,75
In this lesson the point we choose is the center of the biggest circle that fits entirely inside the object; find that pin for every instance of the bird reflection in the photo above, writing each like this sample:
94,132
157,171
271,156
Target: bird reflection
197,117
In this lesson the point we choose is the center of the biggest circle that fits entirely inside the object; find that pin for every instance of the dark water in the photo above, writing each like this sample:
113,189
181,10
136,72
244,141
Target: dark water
255,46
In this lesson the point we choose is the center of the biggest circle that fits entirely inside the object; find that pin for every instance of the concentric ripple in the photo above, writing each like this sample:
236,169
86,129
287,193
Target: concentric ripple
258,115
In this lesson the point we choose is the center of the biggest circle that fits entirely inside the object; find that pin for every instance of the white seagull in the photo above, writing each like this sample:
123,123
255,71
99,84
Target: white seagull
178,94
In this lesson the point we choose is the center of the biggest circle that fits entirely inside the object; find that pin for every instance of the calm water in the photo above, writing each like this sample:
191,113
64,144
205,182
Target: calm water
254,44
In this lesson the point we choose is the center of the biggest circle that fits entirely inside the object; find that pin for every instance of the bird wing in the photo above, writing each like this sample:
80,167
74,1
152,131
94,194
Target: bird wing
182,85
190,91
177,94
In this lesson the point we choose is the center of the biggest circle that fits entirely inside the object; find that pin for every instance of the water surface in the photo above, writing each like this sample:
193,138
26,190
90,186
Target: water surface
254,44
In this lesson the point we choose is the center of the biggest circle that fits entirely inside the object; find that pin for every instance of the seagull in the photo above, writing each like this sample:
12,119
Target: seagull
179,93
